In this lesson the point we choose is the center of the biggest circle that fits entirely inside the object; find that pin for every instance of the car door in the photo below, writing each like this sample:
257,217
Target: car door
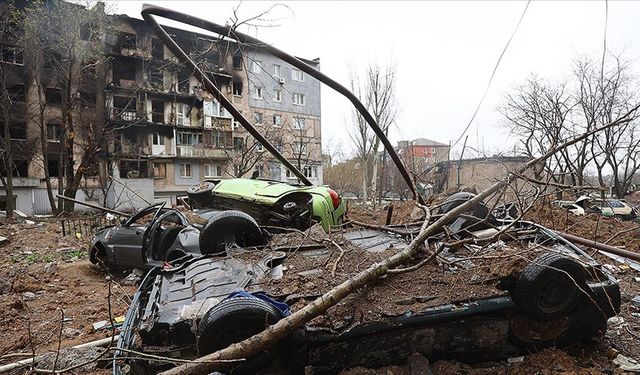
127,241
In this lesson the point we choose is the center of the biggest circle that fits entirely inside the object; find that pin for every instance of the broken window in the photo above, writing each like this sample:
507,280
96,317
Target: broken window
11,55
133,169
183,81
257,118
299,148
298,123
16,93
85,31
156,78
182,114
124,108
159,169
157,111
128,41
53,96
257,93
277,121
87,99
238,143
157,49
277,95
52,60
310,171
17,130
237,60
237,88
53,167
157,139
124,72
54,132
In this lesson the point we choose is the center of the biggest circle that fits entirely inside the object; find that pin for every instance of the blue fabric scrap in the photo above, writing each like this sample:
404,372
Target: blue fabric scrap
282,307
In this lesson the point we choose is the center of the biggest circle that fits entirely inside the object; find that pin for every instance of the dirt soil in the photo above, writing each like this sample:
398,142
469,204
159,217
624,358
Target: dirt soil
50,294
45,274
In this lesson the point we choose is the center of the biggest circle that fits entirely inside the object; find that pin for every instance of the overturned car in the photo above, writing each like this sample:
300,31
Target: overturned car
532,289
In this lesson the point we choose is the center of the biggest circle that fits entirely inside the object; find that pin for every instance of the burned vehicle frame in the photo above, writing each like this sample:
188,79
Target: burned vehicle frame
192,307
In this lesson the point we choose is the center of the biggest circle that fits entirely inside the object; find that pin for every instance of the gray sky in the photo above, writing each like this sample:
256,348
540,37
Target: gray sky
444,53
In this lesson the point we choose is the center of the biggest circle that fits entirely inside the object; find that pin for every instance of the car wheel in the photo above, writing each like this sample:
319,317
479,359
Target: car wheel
200,193
229,227
234,320
550,287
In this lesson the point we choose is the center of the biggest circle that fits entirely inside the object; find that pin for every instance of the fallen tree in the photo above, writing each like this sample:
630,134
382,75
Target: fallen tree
288,325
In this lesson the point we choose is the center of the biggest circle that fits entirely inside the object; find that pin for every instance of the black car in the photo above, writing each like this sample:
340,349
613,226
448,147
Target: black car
156,234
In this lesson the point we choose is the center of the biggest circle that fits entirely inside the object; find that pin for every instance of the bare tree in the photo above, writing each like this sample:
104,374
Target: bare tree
9,97
70,38
377,92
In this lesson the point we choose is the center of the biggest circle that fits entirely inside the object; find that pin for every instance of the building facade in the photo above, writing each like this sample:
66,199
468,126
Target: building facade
164,132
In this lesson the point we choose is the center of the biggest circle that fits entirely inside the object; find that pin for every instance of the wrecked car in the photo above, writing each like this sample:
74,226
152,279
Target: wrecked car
607,207
500,300
156,234
272,203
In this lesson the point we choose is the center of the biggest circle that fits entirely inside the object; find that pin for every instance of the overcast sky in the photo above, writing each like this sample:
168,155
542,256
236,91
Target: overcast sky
444,53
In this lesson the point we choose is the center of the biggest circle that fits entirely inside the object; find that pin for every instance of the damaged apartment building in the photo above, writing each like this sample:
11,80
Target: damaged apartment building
165,132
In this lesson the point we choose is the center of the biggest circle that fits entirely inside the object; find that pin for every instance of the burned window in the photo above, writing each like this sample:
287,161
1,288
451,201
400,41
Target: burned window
156,79
53,167
157,111
124,108
16,93
133,169
87,99
183,81
53,96
237,88
54,132
128,41
124,72
11,55
237,60
52,60
19,168
157,49
17,130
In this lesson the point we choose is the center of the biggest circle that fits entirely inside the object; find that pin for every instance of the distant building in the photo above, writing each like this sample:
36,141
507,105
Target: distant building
478,172
421,153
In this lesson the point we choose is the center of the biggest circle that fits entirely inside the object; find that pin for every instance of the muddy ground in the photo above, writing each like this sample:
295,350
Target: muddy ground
46,279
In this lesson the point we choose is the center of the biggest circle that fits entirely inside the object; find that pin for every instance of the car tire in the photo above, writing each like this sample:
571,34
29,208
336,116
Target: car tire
228,227
200,193
234,320
549,287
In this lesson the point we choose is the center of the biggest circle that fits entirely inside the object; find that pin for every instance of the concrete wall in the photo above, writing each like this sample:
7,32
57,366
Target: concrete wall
130,193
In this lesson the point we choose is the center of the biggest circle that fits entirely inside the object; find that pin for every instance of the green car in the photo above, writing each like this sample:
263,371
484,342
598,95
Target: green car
271,203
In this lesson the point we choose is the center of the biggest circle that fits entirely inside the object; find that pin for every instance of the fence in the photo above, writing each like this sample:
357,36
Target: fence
85,227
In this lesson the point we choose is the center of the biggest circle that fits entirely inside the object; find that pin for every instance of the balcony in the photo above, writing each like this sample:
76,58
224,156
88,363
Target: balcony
124,114
201,152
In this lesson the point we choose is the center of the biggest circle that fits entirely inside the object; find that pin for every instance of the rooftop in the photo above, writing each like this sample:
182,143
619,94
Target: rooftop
421,142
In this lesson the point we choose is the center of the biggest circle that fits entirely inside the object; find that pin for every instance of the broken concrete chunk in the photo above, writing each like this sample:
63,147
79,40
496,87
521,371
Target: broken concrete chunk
626,364
100,325
28,296
513,360
132,279
50,268
3,240
5,286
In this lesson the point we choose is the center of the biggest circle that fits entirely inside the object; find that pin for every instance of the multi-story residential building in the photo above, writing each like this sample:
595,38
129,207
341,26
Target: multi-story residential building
166,133
421,153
